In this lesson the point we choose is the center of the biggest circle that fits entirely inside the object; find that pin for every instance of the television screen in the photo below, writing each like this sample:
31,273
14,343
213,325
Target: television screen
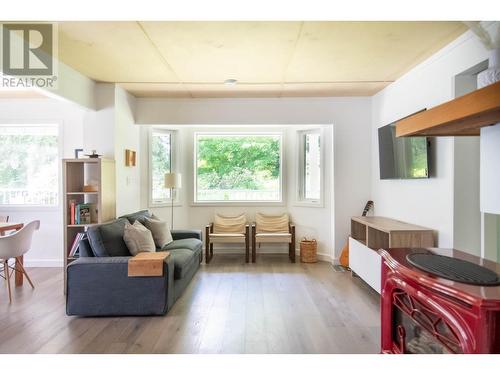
404,157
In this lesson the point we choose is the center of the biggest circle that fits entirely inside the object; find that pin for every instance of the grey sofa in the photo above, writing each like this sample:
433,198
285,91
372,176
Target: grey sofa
97,282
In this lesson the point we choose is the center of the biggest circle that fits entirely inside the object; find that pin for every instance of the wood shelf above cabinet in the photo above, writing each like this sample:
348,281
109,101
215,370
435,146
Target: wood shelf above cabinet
381,232
463,116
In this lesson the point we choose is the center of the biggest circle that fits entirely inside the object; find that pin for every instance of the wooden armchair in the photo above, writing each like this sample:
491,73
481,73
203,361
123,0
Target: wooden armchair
227,229
273,229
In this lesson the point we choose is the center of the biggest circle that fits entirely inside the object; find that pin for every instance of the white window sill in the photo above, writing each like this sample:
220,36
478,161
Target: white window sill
238,204
27,208
165,204
309,204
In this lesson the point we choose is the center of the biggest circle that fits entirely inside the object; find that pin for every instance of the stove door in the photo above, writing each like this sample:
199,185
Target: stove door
418,329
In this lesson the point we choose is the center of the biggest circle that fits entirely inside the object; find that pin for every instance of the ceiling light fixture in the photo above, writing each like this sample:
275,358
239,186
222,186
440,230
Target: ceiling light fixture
230,81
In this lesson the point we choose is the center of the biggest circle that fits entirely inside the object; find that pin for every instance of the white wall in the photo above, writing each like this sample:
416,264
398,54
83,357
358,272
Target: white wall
466,212
311,222
490,167
425,202
99,131
74,87
47,249
126,136
109,130
349,116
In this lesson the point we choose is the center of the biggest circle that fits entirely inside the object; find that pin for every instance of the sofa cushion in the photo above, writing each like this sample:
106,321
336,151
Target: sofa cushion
107,239
192,244
184,259
84,249
138,238
139,216
161,232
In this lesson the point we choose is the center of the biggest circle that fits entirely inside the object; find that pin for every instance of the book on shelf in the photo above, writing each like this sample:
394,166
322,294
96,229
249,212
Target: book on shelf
85,213
72,206
76,242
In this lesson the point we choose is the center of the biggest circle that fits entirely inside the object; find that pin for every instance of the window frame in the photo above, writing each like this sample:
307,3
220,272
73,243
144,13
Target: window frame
301,200
173,165
60,134
280,202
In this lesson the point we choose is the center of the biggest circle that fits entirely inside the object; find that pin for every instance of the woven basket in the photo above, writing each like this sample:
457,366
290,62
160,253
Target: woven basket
308,251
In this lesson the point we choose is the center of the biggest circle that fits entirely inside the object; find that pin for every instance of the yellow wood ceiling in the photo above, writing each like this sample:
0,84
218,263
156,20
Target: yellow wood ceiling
269,59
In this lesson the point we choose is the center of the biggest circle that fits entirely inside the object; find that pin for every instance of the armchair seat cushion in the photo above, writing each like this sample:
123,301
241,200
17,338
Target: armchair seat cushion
227,238
184,260
273,237
192,244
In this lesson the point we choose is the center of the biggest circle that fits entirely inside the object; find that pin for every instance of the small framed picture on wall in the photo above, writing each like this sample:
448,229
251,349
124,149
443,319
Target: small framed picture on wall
129,158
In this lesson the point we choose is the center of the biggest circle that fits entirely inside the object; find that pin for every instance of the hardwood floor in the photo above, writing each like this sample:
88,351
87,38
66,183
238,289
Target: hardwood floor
272,306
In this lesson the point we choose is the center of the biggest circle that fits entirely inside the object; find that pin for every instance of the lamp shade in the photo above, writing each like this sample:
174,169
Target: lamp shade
173,180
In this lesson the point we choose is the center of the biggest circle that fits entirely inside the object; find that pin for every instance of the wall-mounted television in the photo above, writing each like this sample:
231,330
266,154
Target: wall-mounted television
403,157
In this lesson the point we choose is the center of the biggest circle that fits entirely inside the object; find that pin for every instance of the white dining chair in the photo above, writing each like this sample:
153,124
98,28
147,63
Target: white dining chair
3,219
15,245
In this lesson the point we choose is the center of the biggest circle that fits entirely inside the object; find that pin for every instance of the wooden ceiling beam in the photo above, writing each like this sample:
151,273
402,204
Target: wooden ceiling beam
459,117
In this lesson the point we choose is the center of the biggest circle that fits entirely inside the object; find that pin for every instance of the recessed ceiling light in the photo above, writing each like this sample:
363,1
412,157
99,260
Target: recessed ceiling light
230,81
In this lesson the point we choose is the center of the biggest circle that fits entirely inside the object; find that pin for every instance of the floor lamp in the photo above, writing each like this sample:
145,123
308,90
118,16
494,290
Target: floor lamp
172,181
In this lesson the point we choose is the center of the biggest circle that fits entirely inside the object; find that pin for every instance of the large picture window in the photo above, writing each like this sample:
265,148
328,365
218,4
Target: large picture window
161,162
238,167
29,165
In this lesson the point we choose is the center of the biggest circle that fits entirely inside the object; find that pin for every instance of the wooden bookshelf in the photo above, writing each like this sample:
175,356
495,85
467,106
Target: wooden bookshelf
76,174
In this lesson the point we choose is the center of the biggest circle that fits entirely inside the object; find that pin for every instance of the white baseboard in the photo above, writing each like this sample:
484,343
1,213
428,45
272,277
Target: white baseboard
321,256
43,263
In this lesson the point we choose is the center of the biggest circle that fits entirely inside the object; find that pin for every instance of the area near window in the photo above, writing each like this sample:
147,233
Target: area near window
161,162
235,167
29,167
310,166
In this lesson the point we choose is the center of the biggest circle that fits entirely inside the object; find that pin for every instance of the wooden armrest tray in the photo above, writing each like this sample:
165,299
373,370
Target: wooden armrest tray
147,264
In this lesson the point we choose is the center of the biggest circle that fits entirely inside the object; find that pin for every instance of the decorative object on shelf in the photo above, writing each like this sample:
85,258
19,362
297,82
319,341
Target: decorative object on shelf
93,155
130,157
78,153
344,255
91,187
172,181
308,251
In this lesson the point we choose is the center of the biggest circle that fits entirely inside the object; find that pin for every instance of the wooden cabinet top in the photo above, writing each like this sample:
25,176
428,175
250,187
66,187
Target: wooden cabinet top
385,224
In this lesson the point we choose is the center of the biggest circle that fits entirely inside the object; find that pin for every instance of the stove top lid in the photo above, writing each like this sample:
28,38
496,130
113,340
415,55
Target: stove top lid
454,269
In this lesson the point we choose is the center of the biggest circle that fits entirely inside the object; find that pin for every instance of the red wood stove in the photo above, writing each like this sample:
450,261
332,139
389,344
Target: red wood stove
423,313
